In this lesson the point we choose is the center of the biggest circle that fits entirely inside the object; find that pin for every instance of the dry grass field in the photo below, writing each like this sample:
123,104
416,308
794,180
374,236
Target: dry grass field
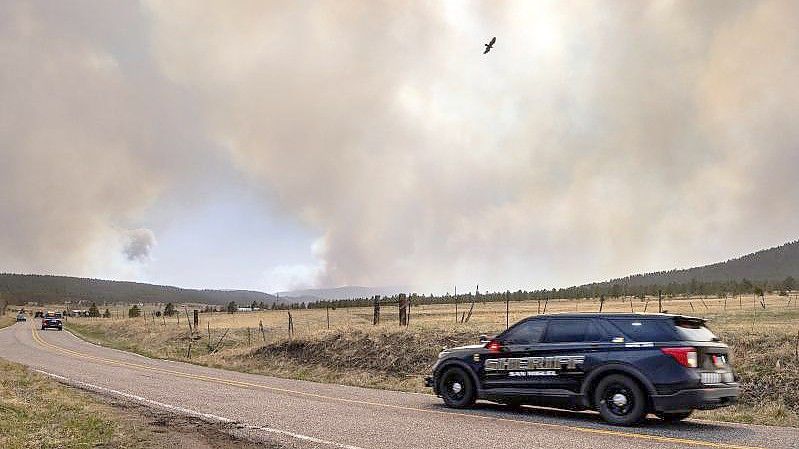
353,351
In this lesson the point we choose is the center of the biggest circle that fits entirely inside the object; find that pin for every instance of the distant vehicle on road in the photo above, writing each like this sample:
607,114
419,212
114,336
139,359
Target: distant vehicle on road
623,365
38,314
50,321
21,317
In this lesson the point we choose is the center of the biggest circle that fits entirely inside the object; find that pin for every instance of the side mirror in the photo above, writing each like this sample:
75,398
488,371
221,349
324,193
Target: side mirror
484,339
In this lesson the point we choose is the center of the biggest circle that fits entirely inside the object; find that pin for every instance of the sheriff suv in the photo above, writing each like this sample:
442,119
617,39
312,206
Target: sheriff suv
623,365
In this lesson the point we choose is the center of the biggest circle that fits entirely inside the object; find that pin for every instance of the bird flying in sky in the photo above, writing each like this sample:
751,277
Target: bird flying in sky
490,45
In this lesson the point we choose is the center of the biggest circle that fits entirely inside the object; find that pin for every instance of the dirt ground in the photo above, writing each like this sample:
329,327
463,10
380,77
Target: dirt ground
158,429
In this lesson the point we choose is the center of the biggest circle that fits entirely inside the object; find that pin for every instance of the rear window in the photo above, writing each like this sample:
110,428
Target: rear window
637,329
693,330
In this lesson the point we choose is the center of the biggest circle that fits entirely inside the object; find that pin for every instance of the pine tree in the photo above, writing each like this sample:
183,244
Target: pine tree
232,307
169,309
134,312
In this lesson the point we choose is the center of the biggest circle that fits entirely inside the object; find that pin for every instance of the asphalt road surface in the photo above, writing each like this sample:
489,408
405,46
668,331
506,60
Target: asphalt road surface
304,414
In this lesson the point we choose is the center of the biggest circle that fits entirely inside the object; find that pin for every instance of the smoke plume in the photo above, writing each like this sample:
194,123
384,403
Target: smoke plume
595,140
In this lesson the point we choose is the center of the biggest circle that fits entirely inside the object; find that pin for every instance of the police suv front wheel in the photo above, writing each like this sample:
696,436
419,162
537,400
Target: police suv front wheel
456,388
620,400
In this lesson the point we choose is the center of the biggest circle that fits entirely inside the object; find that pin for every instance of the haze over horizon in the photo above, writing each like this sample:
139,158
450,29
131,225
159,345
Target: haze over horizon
286,146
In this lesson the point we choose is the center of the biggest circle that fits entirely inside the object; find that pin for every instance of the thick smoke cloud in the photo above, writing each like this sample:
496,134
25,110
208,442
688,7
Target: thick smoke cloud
597,139
594,141
90,136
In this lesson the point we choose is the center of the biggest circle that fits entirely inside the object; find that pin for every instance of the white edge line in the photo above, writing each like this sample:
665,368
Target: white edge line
185,411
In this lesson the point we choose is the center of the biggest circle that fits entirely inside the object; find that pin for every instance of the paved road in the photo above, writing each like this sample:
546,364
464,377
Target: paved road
307,414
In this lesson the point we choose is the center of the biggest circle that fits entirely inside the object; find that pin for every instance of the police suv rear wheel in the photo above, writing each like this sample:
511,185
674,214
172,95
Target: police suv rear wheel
620,400
456,388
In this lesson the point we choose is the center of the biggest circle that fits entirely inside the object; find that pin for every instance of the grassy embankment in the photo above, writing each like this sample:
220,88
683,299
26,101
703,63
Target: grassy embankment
385,356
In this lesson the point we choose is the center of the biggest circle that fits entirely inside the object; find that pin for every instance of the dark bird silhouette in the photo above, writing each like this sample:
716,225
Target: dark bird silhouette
490,45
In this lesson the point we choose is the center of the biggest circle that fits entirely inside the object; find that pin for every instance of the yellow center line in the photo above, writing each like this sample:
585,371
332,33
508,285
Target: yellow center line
248,385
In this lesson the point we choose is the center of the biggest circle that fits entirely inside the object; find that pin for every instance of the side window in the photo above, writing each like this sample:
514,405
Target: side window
596,333
567,330
528,332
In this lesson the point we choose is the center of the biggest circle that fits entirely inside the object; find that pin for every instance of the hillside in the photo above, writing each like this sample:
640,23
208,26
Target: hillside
773,264
21,288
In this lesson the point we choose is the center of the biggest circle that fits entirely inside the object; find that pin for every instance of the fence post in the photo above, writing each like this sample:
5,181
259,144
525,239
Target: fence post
402,309
456,303
327,312
507,309
261,326
660,301
196,318
188,321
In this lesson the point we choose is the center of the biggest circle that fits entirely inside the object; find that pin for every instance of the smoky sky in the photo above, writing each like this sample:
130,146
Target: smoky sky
596,139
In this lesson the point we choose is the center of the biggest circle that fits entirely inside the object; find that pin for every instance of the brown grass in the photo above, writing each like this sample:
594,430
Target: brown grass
386,356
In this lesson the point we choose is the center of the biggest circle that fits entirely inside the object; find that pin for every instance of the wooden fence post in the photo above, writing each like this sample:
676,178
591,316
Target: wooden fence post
660,301
327,313
188,321
456,303
507,309
261,326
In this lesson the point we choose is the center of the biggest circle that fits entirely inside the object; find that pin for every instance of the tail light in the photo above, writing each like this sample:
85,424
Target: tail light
494,346
684,356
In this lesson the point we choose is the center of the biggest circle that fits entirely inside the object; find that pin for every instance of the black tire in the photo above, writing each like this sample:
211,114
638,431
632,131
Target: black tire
673,417
620,400
456,388
43,328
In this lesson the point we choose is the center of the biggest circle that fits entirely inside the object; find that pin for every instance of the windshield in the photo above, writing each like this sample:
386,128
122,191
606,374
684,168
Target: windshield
694,330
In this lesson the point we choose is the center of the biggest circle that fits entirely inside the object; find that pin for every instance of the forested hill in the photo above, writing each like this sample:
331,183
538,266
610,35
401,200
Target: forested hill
773,264
21,288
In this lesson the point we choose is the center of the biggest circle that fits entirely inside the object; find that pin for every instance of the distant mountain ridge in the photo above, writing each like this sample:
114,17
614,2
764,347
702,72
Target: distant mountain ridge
345,292
773,264
22,288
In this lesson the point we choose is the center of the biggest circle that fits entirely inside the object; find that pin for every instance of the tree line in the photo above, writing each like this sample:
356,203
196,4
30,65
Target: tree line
695,287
